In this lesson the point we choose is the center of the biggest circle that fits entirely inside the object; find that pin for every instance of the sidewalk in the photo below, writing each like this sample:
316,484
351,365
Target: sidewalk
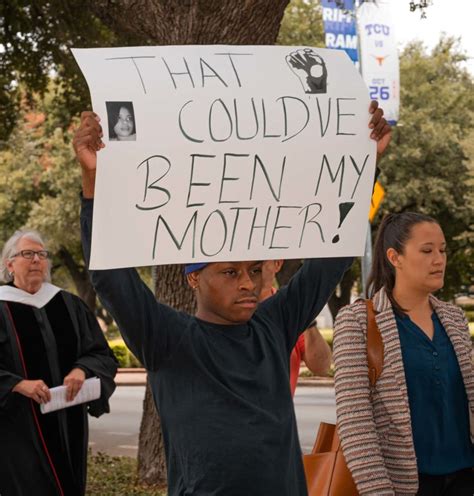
137,377
130,377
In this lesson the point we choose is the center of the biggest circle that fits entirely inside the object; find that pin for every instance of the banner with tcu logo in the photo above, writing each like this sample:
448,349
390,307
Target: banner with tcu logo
379,56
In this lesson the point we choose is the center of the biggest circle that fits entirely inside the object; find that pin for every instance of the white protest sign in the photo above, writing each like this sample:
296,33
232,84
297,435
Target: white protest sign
228,153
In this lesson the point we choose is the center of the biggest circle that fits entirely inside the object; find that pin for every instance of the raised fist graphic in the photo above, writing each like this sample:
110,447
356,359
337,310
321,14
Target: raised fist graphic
310,69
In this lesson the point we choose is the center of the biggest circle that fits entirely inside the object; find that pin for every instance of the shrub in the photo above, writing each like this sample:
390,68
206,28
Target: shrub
327,335
121,354
124,356
470,315
112,331
134,361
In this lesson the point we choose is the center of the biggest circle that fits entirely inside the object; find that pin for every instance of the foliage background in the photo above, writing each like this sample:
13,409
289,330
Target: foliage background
428,168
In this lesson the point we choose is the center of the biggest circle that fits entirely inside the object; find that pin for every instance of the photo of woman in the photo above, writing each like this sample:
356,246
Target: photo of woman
121,120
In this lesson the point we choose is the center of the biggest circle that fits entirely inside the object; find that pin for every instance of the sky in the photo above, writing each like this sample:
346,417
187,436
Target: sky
453,17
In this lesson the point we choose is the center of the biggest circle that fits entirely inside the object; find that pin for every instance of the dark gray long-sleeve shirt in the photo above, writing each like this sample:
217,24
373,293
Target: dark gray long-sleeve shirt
222,390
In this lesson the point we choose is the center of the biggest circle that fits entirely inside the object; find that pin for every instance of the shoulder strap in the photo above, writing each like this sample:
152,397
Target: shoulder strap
374,345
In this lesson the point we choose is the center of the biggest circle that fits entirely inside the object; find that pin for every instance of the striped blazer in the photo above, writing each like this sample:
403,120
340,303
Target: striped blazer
374,424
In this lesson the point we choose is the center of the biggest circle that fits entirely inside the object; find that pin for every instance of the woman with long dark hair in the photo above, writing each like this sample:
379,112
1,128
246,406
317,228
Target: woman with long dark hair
411,434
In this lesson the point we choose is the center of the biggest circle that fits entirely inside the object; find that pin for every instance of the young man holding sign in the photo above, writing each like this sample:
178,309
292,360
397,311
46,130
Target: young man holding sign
219,378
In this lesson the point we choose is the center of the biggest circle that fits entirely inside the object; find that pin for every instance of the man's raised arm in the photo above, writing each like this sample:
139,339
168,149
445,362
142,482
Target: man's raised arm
296,305
126,297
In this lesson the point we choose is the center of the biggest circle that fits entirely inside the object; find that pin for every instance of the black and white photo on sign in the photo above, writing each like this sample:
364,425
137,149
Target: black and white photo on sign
121,121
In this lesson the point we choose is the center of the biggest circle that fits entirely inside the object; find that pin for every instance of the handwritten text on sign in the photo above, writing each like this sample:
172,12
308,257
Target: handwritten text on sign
228,153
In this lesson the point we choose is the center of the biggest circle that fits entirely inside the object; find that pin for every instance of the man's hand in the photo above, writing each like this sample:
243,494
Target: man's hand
36,390
381,130
87,142
74,381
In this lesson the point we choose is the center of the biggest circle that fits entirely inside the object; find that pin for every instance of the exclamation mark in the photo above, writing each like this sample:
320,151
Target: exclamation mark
344,209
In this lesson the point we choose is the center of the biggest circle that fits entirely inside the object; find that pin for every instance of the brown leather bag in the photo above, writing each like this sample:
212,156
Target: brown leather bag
325,468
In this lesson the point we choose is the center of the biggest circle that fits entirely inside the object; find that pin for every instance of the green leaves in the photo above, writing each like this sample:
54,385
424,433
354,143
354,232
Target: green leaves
40,183
35,38
302,24
427,167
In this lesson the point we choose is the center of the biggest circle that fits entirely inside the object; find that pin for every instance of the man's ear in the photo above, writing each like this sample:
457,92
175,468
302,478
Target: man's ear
394,257
278,265
193,279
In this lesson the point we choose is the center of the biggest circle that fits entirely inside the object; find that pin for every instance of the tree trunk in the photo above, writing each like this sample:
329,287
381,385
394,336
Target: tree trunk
182,22
151,458
288,269
172,289
80,277
196,22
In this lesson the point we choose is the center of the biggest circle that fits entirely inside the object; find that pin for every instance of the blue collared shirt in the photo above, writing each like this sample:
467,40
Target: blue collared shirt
437,397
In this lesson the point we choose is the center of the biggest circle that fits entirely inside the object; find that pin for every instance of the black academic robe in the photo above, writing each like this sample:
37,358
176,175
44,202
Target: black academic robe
46,454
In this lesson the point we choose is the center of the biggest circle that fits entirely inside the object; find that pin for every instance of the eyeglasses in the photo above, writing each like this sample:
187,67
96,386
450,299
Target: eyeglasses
30,254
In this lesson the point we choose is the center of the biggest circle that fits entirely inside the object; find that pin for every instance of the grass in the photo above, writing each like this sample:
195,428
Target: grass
116,476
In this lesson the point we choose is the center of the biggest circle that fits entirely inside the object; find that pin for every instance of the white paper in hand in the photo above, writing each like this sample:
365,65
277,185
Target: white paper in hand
90,391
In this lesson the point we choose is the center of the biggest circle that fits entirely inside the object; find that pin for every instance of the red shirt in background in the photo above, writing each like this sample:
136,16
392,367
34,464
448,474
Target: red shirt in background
295,361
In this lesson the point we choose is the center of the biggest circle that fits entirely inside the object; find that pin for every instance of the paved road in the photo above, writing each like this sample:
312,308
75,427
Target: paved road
117,433
313,405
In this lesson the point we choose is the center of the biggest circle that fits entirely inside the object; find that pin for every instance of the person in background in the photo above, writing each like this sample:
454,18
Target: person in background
412,433
48,337
311,348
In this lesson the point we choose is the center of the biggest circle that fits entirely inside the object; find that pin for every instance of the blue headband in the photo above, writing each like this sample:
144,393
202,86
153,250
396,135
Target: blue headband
188,268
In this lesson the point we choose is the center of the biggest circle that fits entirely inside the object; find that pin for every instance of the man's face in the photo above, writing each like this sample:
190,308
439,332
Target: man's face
227,292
